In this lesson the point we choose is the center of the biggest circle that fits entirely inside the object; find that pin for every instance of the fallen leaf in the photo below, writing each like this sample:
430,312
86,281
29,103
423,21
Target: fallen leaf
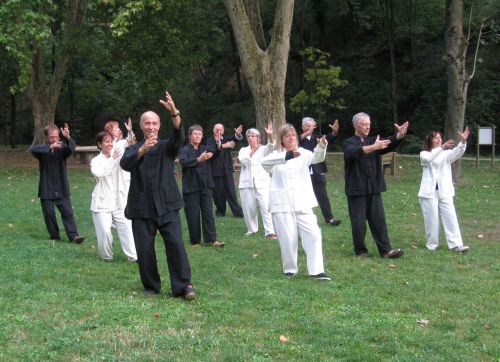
11,226
480,236
423,322
487,326
414,214
414,247
33,200
406,283
157,314
392,266
255,255
283,339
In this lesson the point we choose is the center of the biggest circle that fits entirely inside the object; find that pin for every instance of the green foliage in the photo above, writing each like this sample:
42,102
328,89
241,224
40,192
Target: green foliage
321,80
25,25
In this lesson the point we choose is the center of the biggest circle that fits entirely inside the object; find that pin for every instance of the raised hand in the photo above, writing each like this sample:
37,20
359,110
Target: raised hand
168,103
464,135
205,156
448,144
229,144
322,140
148,144
116,154
381,144
65,131
56,144
334,127
401,129
238,130
269,131
128,125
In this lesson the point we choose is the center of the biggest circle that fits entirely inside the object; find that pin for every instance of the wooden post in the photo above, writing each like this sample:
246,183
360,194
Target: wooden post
477,147
493,147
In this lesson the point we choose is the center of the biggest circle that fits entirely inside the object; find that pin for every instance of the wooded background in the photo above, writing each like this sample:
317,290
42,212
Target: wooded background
86,61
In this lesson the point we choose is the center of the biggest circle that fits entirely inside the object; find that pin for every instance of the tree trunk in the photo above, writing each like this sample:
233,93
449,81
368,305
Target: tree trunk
12,122
389,23
265,69
458,79
43,96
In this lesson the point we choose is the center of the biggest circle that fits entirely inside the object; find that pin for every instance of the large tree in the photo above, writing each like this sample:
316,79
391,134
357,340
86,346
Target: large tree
457,74
264,67
41,35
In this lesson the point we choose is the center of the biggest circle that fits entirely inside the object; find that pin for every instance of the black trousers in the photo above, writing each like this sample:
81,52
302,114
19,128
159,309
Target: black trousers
319,187
144,231
368,208
194,203
225,191
67,216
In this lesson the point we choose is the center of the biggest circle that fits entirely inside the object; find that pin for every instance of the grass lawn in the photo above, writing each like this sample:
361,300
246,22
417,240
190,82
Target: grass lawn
58,301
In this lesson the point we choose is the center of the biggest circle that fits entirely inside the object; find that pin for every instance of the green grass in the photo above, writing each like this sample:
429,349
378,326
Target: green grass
58,301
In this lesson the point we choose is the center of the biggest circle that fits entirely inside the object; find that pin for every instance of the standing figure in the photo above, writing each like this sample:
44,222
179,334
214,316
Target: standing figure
318,170
222,170
254,182
437,191
364,183
197,188
53,188
109,199
154,201
291,202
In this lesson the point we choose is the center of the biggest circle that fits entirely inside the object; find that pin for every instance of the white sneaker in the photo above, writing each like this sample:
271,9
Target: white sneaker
248,233
460,249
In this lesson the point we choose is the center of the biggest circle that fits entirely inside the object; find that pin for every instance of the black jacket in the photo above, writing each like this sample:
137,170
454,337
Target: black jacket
153,189
196,176
363,172
52,164
317,168
222,162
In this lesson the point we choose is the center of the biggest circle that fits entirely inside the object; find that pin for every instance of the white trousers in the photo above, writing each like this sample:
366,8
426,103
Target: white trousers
102,224
250,198
290,226
432,209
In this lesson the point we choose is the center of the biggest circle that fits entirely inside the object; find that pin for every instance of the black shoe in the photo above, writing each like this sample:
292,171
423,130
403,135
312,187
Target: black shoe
321,276
290,275
219,214
394,254
189,293
335,222
78,239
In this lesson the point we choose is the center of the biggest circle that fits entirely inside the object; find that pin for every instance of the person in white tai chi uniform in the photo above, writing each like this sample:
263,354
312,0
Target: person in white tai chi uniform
291,202
254,182
437,191
110,198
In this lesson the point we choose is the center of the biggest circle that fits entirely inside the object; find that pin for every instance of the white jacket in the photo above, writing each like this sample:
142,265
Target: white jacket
291,188
112,184
437,171
252,174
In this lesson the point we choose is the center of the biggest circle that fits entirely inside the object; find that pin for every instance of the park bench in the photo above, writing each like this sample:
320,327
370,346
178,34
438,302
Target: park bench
388,160
85,151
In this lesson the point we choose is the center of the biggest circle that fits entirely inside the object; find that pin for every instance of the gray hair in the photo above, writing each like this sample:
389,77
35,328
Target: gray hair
253,131
307,119
358,116
287,127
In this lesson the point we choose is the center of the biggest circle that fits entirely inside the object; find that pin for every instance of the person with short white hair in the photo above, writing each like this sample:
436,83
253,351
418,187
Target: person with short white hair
364,183
291,202
318,171
254,182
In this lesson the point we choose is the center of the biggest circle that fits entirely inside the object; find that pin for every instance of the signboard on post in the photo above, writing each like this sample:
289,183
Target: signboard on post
486,137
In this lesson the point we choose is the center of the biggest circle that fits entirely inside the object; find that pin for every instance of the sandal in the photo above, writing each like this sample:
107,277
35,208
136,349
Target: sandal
218,244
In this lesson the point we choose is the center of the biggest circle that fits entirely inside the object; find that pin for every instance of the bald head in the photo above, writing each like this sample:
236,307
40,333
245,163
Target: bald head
150,124
218,129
